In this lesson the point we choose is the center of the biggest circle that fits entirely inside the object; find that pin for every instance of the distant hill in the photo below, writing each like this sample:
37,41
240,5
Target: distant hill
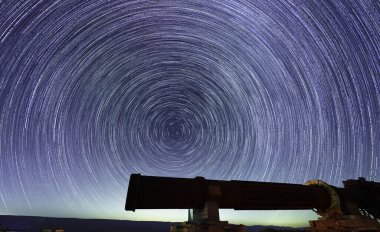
38,224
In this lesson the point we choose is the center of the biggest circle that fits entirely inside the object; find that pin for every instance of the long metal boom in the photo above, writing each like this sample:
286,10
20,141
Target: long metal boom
149,192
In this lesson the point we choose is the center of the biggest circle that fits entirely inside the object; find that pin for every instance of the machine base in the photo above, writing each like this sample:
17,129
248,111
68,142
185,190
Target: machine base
348,223
221,226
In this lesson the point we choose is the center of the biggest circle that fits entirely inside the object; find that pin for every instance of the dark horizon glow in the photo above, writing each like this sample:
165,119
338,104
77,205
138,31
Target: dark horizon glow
92,91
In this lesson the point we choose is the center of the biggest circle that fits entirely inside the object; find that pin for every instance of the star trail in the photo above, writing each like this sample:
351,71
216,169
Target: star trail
92,91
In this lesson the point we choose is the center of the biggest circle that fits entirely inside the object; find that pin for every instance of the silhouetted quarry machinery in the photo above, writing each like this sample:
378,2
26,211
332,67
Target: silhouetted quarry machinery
356,207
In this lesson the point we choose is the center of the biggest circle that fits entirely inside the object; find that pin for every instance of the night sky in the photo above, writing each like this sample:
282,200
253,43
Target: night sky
92,91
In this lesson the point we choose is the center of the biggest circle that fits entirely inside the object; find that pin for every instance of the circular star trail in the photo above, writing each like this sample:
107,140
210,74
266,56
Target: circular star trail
92,91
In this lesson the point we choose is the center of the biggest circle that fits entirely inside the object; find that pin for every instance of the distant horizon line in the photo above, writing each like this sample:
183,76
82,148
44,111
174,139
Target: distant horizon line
3,215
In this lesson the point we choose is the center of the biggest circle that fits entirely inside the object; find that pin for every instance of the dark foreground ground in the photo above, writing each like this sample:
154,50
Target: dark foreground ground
34,224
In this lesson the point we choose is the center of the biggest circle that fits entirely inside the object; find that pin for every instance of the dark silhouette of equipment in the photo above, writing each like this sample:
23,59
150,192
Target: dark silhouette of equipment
356,207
